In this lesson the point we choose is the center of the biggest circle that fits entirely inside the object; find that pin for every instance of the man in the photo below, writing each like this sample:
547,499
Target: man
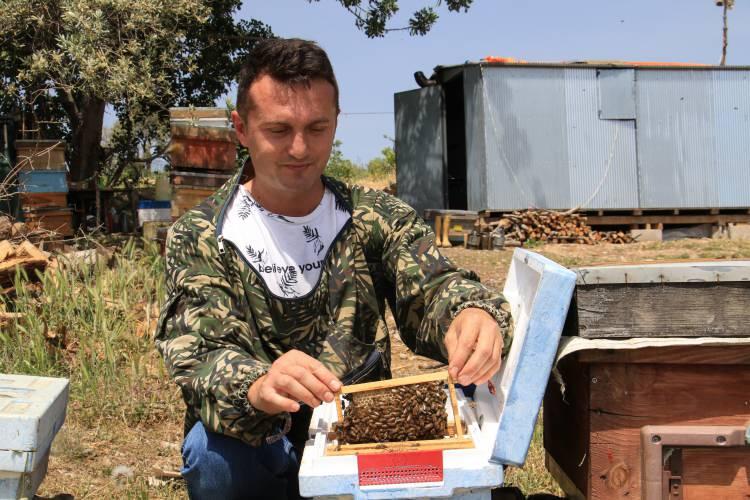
277,287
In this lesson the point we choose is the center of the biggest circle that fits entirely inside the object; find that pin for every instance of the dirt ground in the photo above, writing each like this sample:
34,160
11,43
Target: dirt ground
112,459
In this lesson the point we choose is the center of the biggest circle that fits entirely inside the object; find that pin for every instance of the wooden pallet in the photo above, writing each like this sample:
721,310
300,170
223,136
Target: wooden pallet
455,440
648,218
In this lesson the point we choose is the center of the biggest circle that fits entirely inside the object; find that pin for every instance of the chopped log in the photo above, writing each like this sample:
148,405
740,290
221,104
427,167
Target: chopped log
25,256
551,227
7,250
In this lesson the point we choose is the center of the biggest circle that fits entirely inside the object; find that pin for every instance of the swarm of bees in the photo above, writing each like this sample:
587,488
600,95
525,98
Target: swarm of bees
411,412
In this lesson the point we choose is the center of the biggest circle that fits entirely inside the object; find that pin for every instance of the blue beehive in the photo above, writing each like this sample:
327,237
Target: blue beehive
43,181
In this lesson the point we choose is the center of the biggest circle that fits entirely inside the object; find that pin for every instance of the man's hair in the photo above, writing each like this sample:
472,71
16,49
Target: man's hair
288,60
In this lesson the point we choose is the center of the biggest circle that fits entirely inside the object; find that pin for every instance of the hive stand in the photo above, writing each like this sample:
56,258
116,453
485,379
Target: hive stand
499,422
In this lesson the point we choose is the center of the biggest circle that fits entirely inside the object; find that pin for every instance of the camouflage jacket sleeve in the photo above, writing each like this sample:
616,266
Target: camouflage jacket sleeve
200,334
430,289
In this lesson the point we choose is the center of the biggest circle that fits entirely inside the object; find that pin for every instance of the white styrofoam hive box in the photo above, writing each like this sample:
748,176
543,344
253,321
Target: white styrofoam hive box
32,410
501,422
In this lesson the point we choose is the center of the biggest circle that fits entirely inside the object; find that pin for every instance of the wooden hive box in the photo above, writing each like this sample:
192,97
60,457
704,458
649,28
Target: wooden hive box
200,147
58,220
33,201
186,197
40,155
655,401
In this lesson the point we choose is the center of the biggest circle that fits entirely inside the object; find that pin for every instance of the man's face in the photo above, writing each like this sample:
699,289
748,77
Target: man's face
289,133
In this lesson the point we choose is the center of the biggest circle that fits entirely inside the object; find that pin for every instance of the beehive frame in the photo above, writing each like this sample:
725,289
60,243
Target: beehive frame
455,440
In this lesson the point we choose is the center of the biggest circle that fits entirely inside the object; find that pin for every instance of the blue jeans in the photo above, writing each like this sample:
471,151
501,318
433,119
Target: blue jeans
221,467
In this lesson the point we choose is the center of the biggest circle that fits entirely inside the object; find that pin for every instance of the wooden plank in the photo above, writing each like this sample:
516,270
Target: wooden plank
626,220
454,406
198,179
339,410
566,423
699,355
198,113
664,310
625,397
395,382
665,271
426,445
566,484
659,393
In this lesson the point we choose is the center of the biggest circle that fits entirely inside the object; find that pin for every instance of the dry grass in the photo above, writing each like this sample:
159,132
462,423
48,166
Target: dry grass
123,409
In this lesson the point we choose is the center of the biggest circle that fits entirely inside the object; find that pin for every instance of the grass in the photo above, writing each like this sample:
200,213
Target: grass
81,322
94,325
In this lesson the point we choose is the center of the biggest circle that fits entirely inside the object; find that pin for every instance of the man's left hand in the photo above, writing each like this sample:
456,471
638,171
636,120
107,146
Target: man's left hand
474,344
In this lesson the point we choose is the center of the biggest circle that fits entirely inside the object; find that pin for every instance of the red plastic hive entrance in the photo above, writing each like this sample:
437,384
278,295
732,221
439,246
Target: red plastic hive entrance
399,468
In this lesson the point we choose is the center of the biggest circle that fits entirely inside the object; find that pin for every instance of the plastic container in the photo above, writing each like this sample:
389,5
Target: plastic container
500,419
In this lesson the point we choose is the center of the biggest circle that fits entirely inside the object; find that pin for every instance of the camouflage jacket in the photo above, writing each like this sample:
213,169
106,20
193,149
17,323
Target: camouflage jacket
220,329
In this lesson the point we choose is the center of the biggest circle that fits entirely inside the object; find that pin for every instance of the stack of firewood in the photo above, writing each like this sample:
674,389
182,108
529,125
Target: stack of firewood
553,227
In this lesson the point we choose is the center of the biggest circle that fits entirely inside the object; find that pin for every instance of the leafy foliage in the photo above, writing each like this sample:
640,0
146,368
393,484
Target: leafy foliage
383,166
342,168
63,61
373,16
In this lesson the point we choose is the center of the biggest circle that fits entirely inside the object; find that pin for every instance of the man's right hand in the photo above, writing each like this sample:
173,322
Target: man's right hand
294,377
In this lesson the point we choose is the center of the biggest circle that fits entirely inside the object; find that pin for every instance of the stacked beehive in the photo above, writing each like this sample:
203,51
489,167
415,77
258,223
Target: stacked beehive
203,154
43,185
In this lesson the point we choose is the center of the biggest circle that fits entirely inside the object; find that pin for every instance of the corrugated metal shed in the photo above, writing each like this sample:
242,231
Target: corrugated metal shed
604,136
601,152
419,144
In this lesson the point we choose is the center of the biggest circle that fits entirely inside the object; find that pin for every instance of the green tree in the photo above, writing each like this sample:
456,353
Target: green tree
63,61
342,168
384,166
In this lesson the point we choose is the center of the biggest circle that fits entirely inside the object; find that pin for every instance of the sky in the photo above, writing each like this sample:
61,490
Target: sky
370,71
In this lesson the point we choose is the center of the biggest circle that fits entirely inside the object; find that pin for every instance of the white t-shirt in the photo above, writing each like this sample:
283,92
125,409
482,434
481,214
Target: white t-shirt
288,253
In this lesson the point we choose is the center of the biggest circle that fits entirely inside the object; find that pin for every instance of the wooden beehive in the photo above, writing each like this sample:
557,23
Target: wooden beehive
454,437
208,148
653,346
38,154
186,197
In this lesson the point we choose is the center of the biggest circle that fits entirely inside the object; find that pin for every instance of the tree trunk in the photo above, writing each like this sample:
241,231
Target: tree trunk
86,120
724,36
